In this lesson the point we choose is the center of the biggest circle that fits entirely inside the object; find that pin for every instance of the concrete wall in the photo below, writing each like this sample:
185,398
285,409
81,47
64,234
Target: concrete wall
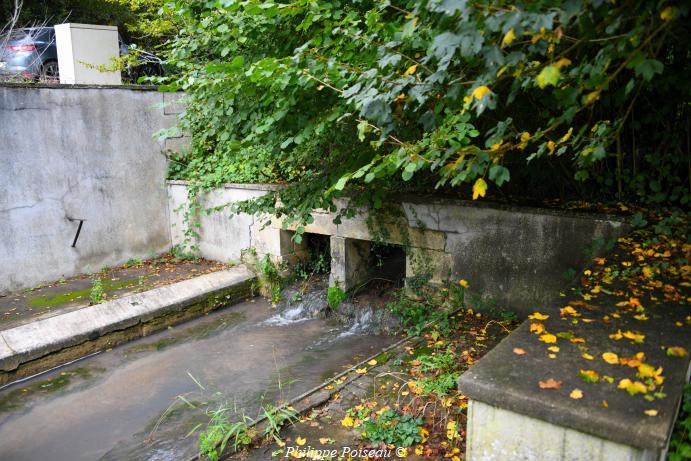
496,434
514,255
79,153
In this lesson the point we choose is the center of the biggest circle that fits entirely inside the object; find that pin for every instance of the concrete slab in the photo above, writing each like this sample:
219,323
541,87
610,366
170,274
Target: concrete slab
33,341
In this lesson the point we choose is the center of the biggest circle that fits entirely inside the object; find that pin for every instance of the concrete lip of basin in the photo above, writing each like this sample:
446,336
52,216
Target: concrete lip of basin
37,346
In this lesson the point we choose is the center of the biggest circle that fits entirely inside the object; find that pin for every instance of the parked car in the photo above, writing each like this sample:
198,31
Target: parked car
31,54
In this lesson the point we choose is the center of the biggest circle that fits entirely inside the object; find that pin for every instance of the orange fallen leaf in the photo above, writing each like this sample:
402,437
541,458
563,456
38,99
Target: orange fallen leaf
519,351
677,351
551,383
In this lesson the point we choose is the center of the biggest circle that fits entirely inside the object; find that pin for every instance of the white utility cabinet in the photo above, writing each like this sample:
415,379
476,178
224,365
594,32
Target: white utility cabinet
80,44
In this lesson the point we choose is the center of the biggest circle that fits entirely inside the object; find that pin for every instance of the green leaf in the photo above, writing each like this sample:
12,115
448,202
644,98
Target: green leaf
549,75
499,174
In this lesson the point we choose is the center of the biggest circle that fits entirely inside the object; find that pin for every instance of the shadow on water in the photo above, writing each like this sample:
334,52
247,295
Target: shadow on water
150,395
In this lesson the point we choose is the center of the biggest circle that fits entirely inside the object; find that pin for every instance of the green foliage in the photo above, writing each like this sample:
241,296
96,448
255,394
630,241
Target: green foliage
540,98
141,21
392,428
443,371
335,296
680,443
220,430
96,295
415,315
276,418
270,280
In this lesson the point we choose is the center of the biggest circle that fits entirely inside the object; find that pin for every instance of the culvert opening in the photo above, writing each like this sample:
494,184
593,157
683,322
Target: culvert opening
315,256
387,263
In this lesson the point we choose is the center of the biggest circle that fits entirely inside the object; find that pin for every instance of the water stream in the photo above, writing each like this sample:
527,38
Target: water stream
125,404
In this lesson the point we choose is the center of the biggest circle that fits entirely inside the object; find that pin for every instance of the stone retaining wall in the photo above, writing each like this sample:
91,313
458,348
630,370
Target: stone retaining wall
515,255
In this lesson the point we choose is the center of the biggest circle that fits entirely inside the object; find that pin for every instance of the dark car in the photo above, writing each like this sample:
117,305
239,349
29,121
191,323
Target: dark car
31,54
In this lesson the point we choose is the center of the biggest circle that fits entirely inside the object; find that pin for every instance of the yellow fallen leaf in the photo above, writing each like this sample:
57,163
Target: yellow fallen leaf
537,328
419,450
563,62
650,412
300,440
347,421
372,362
548,338
648,272
587,356
361,371
325,441
538,316
553,348
576,394
568,310
610,357
464,283
632,387
633,336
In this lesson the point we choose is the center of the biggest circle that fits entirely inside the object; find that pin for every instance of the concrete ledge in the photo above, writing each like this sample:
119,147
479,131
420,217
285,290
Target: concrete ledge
31,348
510,382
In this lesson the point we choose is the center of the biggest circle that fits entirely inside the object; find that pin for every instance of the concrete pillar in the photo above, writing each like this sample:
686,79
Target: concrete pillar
350,260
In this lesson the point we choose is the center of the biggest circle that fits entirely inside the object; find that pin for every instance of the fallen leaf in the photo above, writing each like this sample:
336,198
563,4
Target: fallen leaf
548,338
538,316
677,351
361,371
300,440
347,421
551,383
518,351
537,328
650,412
372,362
576,394
587,356
610,357
632,387
589,376
553,348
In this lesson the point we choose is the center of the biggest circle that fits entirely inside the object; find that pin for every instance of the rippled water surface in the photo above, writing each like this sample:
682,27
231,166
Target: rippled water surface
124,404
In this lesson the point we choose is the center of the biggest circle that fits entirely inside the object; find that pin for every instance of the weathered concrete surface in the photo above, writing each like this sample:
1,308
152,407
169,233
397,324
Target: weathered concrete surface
495,434
514,255
79,153
511,382
222,236
33,341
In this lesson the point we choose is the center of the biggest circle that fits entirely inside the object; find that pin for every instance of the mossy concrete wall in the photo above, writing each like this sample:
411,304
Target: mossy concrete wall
80,153
517,256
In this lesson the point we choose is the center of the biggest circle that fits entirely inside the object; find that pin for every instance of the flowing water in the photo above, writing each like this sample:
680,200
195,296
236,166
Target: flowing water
143,400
